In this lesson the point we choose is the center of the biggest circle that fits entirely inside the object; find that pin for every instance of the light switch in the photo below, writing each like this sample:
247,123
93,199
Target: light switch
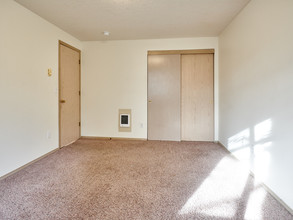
49,72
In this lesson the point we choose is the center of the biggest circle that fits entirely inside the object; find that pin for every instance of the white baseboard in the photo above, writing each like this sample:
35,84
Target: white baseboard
113,138
261,183
26,165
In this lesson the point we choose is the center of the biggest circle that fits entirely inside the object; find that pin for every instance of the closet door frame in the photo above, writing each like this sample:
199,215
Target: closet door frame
185,52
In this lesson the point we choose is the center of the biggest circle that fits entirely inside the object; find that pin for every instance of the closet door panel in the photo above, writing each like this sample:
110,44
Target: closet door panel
164,97
197,97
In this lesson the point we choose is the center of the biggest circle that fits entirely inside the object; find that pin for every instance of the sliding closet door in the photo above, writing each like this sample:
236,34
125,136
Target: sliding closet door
197,97
164,97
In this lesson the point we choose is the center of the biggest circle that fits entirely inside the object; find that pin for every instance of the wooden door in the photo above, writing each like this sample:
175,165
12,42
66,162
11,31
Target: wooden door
164,97
197,97
69,94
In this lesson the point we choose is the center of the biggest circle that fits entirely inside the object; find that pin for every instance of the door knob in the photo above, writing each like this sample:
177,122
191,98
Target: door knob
62,101
150,100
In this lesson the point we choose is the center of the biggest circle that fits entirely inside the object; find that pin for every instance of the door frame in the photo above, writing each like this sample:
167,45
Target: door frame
185,52
61,43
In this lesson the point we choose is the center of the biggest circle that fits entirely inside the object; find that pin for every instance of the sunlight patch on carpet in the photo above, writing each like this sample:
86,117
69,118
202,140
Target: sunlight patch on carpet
254,205
218,194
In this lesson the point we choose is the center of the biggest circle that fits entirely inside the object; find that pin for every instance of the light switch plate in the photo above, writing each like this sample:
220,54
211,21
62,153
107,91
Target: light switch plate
49,72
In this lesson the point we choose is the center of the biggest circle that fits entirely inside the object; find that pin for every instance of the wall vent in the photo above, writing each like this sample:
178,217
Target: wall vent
124,121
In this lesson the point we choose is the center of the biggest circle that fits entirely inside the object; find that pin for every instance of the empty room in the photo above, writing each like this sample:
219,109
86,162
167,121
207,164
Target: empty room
144,109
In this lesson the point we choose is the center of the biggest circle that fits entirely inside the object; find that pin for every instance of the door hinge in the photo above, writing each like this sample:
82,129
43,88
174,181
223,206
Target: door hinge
78,92
78,123
79,61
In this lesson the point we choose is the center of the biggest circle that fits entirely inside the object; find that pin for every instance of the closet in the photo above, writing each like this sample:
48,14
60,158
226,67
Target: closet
181,95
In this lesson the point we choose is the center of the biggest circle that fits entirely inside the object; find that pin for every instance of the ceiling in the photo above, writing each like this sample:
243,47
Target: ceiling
137,19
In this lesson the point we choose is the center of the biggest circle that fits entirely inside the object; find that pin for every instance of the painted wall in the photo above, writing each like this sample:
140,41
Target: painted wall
28,97
256,92
114,75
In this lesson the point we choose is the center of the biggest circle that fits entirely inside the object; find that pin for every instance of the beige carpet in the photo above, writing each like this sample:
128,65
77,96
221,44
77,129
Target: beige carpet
93,179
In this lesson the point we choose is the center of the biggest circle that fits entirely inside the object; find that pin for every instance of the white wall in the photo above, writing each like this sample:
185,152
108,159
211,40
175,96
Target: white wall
114,75
256,92
28,97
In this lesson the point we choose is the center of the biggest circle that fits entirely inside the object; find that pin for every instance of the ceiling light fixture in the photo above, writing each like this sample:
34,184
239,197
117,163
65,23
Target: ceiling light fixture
106,33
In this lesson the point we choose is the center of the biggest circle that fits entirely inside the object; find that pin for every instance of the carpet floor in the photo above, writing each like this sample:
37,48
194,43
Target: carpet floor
99,179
